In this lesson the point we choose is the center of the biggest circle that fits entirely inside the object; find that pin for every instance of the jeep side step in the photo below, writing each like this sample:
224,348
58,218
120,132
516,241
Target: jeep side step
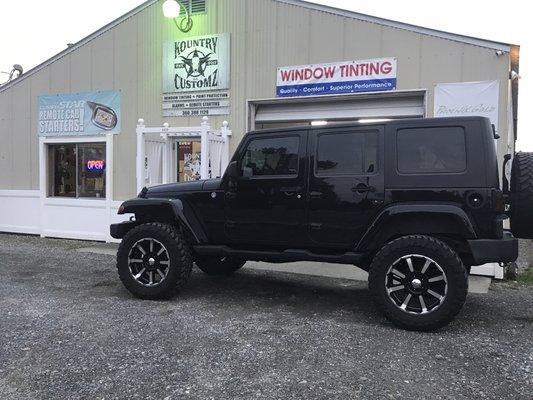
288,255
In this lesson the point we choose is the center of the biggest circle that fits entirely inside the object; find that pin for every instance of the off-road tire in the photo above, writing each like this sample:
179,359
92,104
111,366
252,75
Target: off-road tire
180,266
222,266
444,256
521,211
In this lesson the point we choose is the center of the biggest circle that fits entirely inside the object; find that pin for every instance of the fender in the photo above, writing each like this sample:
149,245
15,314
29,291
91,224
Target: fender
416,218
162,210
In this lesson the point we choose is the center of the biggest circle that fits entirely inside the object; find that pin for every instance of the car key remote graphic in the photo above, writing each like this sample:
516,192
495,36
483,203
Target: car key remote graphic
103,116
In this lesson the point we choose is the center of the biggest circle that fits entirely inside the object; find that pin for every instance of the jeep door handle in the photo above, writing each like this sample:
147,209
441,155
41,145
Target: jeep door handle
289,191
362,188
230,195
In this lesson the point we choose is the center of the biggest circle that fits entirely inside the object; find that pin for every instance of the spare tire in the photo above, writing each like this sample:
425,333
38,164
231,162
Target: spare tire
521,211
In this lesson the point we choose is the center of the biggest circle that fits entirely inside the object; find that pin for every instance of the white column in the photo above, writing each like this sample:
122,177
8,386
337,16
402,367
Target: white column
109,181
42,181
224,158
140,155
166,155
204,160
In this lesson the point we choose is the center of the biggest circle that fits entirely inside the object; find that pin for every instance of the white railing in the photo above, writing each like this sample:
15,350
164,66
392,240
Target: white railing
214,150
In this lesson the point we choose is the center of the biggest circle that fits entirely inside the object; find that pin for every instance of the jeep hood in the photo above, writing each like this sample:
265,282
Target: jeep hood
182,187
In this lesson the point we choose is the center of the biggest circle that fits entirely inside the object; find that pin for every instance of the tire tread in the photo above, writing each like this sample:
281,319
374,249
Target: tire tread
522,195
456,274
184,259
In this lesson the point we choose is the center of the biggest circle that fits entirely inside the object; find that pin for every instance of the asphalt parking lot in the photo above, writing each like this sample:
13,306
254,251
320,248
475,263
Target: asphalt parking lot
69,330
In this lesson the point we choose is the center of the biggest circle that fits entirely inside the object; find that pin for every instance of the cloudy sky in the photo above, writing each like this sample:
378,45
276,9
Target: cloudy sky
33,30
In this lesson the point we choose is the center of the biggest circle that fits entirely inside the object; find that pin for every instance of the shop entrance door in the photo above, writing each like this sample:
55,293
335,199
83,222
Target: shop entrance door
188,160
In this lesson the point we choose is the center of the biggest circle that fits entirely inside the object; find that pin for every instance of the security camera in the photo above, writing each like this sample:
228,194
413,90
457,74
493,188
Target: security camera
499,53
514,75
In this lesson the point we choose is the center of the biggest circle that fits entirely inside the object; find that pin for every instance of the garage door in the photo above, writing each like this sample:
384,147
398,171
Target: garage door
297,111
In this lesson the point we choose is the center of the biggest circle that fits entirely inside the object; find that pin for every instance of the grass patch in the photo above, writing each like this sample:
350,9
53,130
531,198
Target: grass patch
526,277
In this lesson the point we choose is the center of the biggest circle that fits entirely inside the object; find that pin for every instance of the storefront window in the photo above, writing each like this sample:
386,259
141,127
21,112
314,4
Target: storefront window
77,170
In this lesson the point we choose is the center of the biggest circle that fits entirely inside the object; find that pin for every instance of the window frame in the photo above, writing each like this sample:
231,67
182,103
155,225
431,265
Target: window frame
258,137
430,173
376,132
46,142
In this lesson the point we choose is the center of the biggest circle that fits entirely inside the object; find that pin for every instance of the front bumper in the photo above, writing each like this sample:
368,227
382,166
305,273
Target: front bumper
494,250
118,231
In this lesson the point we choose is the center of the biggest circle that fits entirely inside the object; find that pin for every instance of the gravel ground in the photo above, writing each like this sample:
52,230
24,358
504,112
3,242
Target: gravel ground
69,330
525,255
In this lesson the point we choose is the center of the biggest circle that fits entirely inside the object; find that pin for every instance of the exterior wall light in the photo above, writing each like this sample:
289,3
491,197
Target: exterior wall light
171,9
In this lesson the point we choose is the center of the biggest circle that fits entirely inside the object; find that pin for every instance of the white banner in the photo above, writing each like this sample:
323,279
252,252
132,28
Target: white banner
468,99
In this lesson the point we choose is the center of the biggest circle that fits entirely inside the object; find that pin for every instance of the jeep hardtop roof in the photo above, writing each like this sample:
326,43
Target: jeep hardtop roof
403,121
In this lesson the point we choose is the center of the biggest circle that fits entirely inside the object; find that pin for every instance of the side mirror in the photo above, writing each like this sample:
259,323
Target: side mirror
233,170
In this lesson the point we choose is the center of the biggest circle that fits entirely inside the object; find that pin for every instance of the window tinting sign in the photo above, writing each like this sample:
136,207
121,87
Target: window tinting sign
336,78
79,114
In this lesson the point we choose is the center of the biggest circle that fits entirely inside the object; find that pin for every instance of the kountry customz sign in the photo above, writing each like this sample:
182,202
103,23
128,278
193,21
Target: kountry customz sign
196,76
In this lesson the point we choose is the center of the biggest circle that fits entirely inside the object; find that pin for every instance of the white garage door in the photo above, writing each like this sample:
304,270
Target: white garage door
296,111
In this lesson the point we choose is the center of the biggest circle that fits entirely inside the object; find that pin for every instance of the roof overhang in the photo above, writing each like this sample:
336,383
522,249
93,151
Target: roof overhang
401,25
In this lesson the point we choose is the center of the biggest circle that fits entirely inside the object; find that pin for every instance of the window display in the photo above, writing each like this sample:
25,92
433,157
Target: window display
77,170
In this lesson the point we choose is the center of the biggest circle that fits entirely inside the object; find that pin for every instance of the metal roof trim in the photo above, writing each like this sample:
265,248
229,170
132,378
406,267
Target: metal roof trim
337,11
79,44
402,25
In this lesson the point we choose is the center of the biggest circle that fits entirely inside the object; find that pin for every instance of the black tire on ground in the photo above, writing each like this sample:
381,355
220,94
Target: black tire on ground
444,276
223,266
144,277
521,211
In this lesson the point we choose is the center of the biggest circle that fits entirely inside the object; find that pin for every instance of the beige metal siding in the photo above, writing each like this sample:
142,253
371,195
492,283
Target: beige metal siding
265,34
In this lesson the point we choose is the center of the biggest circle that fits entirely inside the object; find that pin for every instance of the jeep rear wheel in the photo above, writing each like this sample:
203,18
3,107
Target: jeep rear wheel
154,261
418,282
521,212
213,265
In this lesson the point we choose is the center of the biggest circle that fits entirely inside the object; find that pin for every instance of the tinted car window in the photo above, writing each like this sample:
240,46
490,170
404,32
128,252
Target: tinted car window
271,156
347,153
431,150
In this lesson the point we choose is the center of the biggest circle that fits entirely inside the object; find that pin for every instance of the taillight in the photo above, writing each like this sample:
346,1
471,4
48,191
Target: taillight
498,201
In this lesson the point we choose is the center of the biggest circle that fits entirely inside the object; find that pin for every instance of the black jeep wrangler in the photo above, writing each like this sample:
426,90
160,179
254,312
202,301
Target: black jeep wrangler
414,202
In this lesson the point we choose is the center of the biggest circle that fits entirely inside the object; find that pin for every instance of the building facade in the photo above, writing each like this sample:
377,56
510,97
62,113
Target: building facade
253,63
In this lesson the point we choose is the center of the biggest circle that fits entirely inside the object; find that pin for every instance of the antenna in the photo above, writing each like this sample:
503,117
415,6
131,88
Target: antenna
17,70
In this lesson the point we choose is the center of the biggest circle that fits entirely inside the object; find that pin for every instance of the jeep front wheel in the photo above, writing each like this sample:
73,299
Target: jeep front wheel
418,282
154,261
212,265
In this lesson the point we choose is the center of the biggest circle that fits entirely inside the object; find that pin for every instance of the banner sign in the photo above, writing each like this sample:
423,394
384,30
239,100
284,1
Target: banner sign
468,99
79,114
196,104
196,64
336,78
192,67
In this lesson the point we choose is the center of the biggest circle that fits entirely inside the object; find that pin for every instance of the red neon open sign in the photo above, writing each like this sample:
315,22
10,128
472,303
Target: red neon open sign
95,165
